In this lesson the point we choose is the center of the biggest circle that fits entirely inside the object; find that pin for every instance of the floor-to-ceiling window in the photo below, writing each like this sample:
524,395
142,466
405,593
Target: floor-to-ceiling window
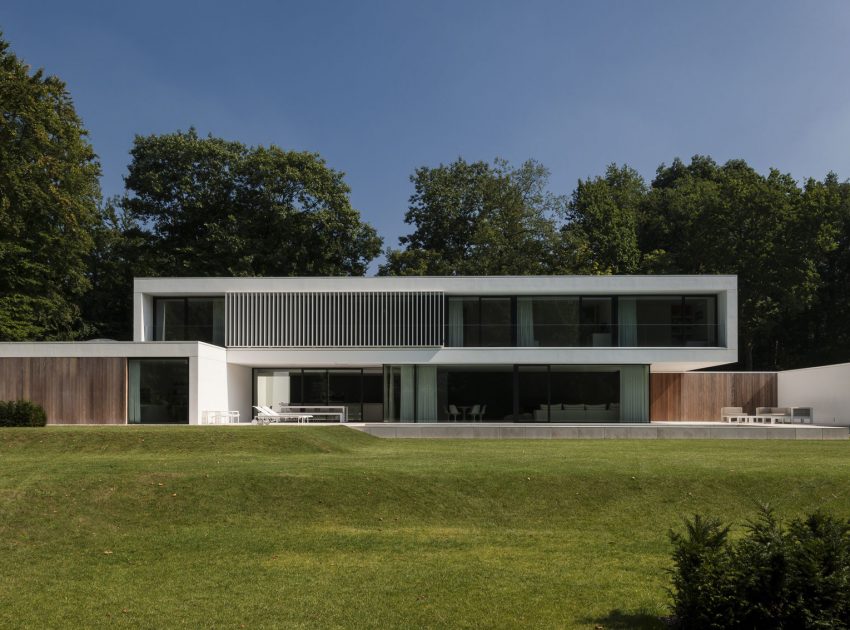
479,322
475,393
189,319
359,390
158,391
668,321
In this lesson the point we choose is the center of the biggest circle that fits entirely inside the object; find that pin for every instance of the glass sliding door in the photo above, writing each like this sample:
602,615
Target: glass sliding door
158,391
584,395
273,387
373,395
359,390
496,329
475,393
345,388
532,393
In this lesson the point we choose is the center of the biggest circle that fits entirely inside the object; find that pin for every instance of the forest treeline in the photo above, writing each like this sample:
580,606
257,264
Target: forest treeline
205,206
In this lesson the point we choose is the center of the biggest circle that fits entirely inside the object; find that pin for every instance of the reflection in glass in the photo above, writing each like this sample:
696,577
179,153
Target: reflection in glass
158,391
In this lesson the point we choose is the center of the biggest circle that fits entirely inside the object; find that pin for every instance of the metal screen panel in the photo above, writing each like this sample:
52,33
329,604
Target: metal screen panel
344,319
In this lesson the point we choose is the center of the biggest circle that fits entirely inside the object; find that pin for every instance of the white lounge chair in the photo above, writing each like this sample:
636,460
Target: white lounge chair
266,415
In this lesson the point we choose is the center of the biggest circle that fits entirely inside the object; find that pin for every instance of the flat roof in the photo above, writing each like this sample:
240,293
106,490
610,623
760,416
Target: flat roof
474,285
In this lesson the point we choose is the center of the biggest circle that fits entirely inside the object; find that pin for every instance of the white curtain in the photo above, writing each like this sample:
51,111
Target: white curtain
455,323
407,410
525,323
627,315
634,393
134,406
426,393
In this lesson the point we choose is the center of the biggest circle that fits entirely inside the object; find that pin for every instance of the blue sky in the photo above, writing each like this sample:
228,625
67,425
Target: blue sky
379,88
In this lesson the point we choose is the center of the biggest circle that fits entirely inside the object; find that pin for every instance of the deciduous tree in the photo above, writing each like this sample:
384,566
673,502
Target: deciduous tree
49,196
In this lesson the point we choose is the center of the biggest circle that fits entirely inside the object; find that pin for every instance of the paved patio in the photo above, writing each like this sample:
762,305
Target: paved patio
649,431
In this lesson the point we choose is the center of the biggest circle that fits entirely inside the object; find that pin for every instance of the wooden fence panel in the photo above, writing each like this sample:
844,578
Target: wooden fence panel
699,396
72,390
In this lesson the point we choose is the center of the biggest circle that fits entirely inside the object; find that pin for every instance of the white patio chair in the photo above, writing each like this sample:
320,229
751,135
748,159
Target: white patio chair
453,412
475,411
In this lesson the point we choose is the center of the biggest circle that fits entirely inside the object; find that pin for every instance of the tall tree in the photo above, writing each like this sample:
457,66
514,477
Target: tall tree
220,208
707,218
49,196
601,232
476,218
820,333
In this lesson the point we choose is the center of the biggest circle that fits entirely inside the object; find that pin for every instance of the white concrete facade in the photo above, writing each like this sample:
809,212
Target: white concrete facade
826,389
221,378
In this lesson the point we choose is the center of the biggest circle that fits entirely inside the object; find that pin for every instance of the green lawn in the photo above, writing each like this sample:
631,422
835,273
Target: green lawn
326,527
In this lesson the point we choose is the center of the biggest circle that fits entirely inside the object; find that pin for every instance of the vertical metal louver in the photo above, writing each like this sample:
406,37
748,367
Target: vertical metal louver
345,319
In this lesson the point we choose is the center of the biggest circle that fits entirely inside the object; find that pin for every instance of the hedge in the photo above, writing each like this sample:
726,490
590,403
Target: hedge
21,413
773,577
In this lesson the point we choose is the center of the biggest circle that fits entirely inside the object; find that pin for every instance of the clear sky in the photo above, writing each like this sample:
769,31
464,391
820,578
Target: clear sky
379,88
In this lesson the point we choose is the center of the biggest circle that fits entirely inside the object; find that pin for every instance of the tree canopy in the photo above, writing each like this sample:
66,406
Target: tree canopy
477,219
49,197
213,207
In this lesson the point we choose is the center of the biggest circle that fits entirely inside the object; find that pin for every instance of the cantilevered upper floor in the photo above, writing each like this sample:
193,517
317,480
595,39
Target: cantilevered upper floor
686,320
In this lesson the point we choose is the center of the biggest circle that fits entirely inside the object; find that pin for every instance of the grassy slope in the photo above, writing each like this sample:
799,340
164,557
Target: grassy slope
293,526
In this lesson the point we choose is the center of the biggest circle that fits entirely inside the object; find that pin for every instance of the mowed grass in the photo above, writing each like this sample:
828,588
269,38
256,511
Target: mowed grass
326,527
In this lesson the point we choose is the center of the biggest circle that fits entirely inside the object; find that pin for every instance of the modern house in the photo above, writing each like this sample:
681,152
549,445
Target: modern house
387,349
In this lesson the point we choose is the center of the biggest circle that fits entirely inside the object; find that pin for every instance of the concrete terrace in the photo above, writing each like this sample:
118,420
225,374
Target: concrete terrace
643,431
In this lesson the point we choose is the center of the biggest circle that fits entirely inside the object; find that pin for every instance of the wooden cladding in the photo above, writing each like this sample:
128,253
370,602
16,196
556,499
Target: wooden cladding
88,390
698,396
345,319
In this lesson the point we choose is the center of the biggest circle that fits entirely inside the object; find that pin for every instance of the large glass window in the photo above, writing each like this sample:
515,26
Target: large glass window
666,321
358,390
583,396
596,321
479,322
556,321
158,391
496,322
475,393
189,319
564,321
533,393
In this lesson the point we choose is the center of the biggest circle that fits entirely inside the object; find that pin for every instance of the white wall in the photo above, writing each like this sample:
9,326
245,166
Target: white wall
208,379
826,389
239,387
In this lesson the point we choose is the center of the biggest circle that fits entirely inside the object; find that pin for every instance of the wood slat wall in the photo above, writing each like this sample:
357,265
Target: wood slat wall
87,390
696,396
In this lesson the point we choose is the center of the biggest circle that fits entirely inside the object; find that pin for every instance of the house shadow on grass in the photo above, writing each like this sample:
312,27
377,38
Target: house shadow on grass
621,620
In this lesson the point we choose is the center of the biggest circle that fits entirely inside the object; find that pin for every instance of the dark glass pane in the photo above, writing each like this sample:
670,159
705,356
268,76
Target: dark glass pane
158,391
315,387
192,319
373,396
533,393
476,393
170,319
344,388
699,321
296,382
555,321
659,321
584,396
372,387
495,322
471,322
596,319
